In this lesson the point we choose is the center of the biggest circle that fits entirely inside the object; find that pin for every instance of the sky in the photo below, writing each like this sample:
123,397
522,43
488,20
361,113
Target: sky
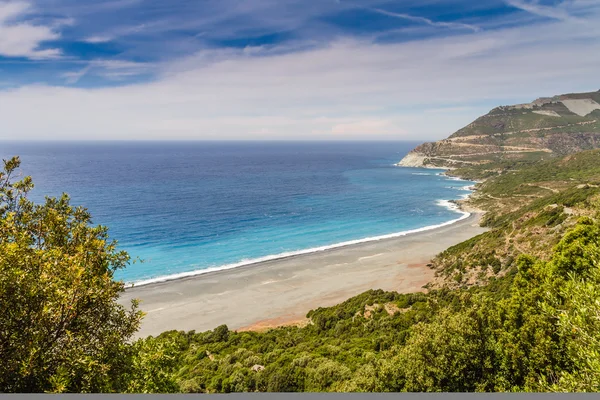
283,69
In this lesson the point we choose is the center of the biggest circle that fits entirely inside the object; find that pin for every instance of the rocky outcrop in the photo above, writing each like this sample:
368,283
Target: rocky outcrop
413,159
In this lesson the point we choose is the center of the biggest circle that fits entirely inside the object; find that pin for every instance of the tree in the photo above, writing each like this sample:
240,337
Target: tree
151,369
576,306
452,353
61,329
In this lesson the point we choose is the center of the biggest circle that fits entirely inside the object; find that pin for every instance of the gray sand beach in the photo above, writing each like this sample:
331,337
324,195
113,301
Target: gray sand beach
282,291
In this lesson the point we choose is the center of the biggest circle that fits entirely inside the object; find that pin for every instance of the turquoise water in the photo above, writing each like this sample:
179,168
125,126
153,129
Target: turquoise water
190,207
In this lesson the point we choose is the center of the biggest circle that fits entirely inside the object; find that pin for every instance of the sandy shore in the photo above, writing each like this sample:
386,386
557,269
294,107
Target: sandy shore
282,291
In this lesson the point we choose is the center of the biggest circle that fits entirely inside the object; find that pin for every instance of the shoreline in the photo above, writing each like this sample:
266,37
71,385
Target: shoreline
449,204
285,289
452,205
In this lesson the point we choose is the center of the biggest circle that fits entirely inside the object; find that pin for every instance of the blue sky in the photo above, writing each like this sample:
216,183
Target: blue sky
283,69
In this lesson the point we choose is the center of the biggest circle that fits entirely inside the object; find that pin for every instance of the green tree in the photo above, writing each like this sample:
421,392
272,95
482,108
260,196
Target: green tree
453,353
151,366
576,306
61,329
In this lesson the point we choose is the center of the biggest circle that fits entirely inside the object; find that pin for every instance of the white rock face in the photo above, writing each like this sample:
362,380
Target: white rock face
581,107
547,112
413,160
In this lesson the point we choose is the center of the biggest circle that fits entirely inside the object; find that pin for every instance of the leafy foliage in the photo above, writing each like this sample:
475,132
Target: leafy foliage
61,329
534,330
533,326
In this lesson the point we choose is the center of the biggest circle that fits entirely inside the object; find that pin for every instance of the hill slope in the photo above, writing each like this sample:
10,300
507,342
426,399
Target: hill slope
547,127
528,210
513,309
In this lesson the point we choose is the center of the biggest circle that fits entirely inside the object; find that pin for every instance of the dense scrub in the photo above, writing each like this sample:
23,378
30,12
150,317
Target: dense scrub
513,327
527,210
526,319
535,329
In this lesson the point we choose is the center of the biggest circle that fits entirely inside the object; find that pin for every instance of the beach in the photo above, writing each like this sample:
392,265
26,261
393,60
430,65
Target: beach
280,292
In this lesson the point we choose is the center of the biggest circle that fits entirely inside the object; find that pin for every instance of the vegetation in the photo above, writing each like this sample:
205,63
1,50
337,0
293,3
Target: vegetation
514,135
61,329
513,309
535,329
528,211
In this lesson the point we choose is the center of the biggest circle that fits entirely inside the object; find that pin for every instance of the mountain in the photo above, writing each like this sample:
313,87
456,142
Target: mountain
545,128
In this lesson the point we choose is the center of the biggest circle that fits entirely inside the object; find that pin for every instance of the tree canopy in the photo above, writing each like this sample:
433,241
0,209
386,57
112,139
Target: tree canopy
61,328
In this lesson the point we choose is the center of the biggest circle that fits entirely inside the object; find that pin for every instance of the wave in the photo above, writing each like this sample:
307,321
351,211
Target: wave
421,173
450,205
247,262
468,188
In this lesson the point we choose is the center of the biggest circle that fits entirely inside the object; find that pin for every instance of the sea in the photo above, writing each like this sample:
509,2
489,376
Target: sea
186,208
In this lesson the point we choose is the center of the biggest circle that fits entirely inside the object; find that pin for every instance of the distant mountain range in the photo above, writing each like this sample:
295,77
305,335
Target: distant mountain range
546,127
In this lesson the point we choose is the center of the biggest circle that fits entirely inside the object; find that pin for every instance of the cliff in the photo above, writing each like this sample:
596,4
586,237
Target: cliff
545,128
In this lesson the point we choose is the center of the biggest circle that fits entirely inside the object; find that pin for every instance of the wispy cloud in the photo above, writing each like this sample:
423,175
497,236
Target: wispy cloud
21,38
451,25
339,90
160,79
117,33
110,69
534,7
98,39
73,77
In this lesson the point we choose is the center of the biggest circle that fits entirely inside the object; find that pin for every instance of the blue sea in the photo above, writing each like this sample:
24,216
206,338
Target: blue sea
191,207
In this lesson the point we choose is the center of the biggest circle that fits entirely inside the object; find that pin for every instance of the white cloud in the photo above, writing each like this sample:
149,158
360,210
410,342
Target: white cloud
452,25
118,33
23,39
98,39
543,11
339,90
73,77
109,69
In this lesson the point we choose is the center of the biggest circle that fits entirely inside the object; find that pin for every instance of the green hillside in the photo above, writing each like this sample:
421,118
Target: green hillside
529,210
513,120
545,128
495,319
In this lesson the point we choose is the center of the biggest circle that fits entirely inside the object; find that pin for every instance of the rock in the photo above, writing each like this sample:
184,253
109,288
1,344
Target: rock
413,159
257,368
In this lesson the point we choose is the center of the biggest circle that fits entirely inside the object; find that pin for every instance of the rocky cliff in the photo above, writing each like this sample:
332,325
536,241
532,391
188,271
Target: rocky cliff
544,128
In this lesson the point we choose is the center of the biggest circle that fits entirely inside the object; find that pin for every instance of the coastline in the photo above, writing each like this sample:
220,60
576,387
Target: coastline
286,288
454,205
449,204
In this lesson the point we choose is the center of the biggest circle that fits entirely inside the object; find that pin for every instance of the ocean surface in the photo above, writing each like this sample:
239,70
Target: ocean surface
190,207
